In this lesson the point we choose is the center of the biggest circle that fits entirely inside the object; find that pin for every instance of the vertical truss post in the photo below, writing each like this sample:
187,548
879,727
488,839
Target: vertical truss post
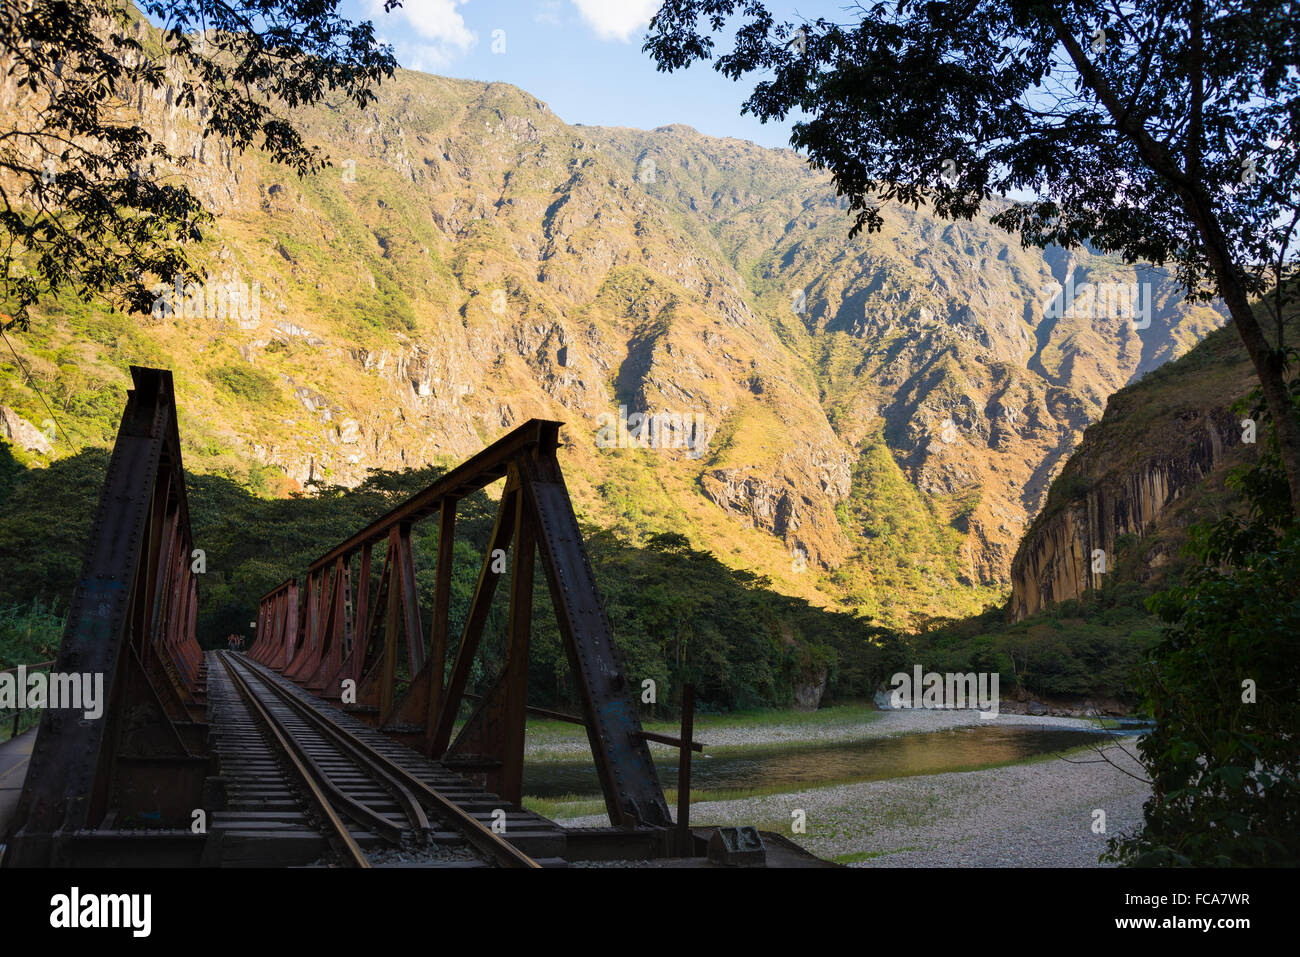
292,625
479,607
329,655
410,602
392,621
515,681
441,616
346,634
130,622
631,786
685,844
361,630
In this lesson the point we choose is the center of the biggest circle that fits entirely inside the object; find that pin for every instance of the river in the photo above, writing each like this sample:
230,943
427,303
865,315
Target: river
792,767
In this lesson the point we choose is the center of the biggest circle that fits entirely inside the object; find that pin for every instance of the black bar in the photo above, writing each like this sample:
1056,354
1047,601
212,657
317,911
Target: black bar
667,739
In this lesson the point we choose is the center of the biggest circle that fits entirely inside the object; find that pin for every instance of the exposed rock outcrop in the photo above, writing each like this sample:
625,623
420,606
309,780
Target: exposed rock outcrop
471,261
1068,552
22,433
1154,463
795,501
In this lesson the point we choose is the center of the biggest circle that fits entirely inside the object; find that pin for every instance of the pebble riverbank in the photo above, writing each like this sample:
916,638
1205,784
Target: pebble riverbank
1036,814
1024,815
885,724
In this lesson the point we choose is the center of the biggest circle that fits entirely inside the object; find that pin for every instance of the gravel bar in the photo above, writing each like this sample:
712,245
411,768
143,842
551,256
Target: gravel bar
1036,814
889,724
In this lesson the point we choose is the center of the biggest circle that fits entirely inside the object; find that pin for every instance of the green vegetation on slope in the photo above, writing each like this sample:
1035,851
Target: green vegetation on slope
910,556
1076,650
1223,686
679,614
472,261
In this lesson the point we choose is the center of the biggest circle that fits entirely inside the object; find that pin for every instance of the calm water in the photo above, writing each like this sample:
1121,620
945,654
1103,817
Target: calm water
871,760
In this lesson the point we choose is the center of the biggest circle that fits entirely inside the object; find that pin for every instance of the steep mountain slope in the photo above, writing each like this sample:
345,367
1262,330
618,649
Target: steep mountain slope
868,422
924,325
1153,465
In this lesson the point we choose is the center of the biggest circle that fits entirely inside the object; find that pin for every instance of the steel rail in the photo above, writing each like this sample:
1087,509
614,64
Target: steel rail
339,837
36,667
482,837
359,752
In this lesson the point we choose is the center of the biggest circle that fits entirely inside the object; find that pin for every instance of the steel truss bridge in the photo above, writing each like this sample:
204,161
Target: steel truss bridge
334,739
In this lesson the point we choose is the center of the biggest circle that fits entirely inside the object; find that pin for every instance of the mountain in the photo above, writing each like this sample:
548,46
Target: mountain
869,422
1154,465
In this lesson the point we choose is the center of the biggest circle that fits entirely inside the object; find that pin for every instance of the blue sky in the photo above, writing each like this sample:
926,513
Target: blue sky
582,57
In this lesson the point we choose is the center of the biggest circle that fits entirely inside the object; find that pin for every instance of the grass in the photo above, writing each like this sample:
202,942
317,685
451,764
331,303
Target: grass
27,719
568,806
544,734
29,634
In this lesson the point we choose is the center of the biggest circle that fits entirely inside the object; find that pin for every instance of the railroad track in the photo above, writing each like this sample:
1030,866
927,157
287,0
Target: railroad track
349,780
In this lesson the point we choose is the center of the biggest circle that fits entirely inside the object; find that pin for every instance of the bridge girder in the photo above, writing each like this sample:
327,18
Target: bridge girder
339,635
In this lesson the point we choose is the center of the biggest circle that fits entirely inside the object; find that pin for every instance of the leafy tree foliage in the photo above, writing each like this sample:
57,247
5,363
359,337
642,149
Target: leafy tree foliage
678,613
1082,649
1224,688
30,633
94,202
1161,129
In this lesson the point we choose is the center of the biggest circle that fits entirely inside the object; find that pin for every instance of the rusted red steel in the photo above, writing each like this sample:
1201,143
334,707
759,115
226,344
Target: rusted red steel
535,520
277,626
308,654
354,660
132,621
333,632
264,611
290,625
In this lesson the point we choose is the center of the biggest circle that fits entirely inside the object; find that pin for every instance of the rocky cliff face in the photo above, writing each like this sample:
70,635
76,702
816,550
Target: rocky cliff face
22,433
1154,463
980,362
215,173
1072,549
471,261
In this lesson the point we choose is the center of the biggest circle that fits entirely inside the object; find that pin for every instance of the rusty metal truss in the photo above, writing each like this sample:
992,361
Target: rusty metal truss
327,634
143,763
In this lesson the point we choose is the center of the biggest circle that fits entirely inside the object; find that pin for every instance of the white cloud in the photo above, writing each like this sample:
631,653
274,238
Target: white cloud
617,19
437,30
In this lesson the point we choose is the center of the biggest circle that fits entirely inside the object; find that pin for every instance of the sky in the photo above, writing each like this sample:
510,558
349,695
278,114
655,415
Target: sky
583,58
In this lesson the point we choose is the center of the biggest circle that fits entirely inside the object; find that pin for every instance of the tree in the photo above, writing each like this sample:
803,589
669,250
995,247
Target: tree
1163,130
93,202
1224,688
